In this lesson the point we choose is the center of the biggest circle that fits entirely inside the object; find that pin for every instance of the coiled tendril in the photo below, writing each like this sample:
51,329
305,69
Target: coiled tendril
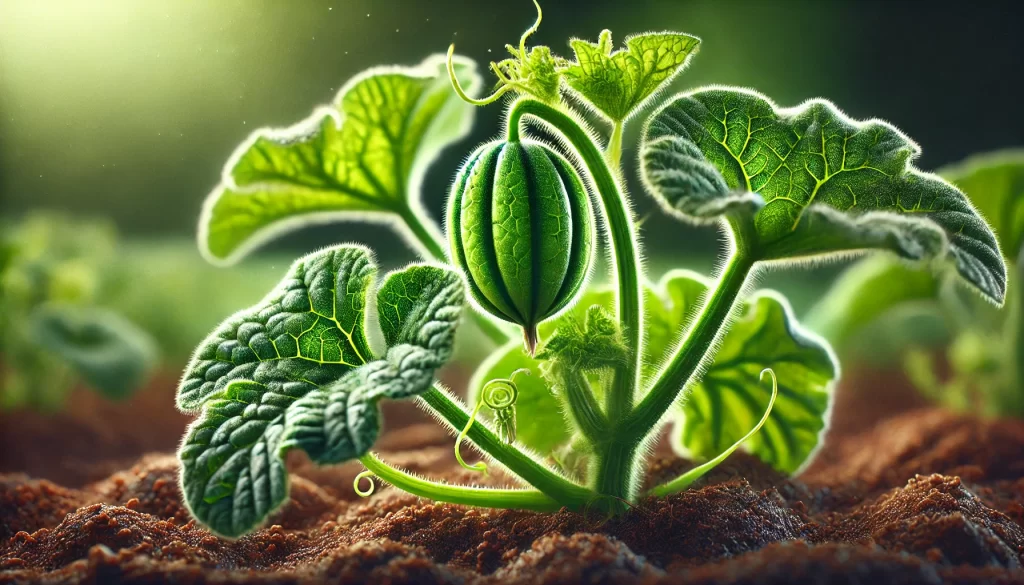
500,396
368,476
507,83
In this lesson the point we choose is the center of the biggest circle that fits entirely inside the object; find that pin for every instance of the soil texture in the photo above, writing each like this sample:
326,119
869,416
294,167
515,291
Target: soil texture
910,495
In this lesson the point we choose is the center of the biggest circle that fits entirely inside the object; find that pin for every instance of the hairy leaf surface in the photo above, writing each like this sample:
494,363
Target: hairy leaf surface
619,83
365,153
874,287
807,181
295,371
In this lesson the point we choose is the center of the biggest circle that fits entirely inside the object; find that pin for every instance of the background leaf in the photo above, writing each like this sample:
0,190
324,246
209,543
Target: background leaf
366,153
730,398
994,182
828,183
295,371
618,83
108,351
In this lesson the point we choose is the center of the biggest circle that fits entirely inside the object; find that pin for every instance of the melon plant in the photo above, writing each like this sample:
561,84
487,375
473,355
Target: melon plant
610,365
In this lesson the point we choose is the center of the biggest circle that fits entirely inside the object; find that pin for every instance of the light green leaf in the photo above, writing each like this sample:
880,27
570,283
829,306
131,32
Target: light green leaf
865,292
295,371
365,153
873,288
994,182
809,181
730,398
619,83
109,352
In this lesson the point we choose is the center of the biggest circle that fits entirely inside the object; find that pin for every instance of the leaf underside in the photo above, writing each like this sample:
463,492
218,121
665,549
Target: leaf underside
365,153
808,181
296,371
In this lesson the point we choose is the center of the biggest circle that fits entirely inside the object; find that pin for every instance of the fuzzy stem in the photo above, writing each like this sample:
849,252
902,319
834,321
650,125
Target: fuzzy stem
532,472
699,341
469,496
621,234
583,406
429,241
614,151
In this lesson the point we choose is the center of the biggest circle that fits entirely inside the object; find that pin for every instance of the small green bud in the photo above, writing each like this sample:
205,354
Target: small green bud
520,228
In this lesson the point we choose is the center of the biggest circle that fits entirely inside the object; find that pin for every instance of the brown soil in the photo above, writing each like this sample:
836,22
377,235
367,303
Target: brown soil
923,496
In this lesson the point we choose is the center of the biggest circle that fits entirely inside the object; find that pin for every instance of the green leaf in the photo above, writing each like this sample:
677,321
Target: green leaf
618,83
809,181
295,371
765,335
730,399
419,309
364,154
109,352
994,182
864,293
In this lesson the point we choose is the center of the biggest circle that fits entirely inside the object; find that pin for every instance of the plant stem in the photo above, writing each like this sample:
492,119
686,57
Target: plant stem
615,469
565,492
614,151
583,405
429,240
621,236
699,340
469,496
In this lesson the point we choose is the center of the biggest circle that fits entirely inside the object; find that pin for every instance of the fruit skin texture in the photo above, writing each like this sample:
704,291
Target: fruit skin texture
521,230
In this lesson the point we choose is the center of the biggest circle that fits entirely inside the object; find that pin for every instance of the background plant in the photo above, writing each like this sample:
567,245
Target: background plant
881,309
55,278
787,184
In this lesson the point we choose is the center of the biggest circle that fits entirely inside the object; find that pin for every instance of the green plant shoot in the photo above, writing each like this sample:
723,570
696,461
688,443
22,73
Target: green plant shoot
610,365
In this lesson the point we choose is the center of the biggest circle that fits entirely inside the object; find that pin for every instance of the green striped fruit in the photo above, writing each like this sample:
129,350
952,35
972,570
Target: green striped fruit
520,228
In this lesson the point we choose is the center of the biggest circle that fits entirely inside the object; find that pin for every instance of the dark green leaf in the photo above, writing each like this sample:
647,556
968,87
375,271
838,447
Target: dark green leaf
295,371
809,181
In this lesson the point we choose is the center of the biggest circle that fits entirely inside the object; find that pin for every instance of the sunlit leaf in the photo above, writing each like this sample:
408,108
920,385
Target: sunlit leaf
809,181
730,398
295,371
619,83
365,153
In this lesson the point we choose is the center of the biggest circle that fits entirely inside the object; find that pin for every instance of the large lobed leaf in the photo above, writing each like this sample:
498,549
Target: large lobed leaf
726,403
296,371
809,181
365,153
870,292
619,83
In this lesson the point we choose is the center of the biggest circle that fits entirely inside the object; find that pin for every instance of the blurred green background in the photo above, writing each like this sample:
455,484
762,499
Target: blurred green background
127,109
